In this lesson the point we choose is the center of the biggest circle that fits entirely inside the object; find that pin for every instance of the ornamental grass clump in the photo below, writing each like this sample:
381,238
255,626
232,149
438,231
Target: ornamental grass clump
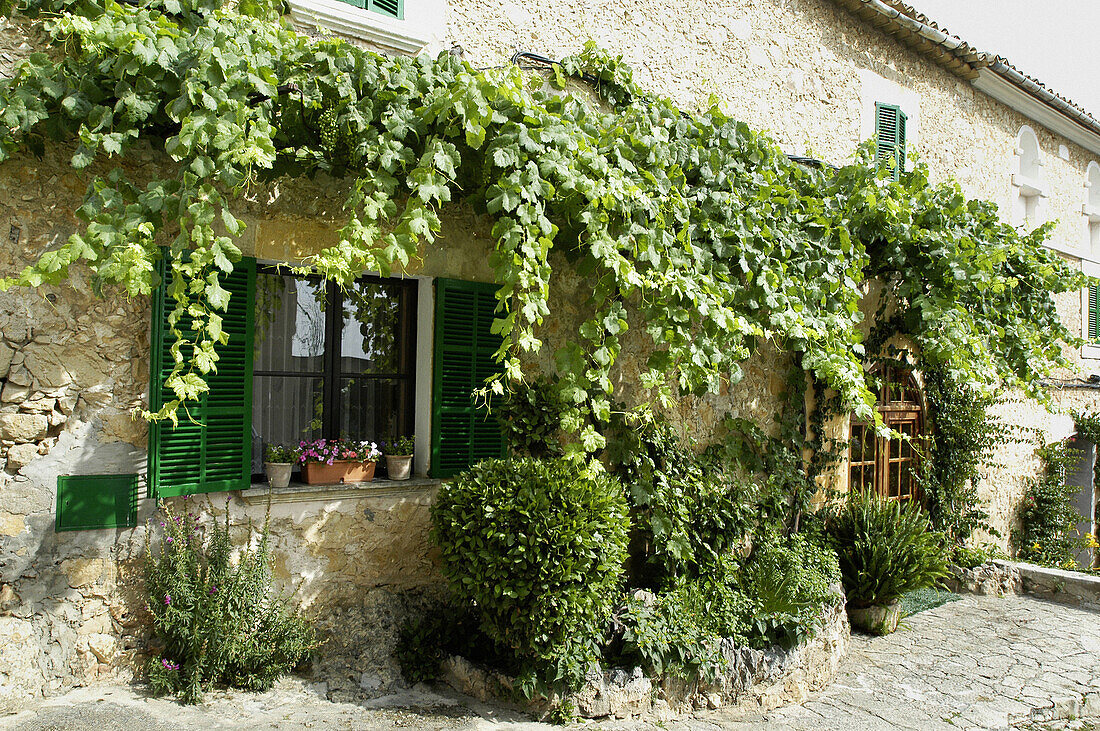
886,549
217,617
537,547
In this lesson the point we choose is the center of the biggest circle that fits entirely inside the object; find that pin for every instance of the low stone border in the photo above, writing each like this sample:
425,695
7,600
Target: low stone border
994,578
1065,587
757,680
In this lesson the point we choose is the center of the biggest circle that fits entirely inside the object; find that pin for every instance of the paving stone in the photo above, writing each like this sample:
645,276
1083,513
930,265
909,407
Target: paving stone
933,675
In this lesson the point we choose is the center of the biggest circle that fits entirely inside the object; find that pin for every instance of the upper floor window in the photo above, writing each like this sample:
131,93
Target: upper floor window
388,26
392,8
1029,186
890,123
1091,210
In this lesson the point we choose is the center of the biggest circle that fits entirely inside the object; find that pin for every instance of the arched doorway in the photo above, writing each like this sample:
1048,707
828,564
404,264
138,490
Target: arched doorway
888,466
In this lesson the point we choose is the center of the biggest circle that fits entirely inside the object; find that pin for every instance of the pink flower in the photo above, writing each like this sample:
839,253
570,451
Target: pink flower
167,599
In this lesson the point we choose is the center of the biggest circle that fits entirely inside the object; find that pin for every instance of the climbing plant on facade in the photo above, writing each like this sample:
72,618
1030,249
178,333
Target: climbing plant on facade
689,225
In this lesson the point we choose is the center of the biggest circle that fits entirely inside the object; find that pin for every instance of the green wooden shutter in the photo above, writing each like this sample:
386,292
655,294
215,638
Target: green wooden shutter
890,124
210,450
463,358
1094,314
89,502
392,8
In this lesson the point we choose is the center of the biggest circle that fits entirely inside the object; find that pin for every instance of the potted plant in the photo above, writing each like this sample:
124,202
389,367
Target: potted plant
886,549
279,463
332,461
399,457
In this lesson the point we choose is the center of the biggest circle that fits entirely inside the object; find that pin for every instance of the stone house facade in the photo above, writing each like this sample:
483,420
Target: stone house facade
73,366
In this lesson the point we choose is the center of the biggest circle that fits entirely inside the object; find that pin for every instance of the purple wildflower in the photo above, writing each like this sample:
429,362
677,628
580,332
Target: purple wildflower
167,599
169,665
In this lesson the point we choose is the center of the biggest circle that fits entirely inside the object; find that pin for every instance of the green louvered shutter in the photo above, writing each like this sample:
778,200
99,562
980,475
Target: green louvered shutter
890,124
1094,314
463,358
210,450
391,8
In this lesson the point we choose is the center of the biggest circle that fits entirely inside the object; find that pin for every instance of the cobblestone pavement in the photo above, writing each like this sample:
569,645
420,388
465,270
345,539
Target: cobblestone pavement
977,663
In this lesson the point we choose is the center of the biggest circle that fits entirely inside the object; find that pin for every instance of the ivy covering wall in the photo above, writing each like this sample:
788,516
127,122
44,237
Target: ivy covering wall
689,225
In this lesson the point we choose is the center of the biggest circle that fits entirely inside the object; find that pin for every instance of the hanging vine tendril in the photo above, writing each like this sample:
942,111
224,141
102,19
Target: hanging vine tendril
689,226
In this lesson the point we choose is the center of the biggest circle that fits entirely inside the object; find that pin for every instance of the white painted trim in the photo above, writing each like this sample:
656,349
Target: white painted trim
1068,250
422,29
422,409
1029,186
1092,213
875,88
1007,93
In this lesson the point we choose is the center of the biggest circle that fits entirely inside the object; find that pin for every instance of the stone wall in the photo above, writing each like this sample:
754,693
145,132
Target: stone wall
73,365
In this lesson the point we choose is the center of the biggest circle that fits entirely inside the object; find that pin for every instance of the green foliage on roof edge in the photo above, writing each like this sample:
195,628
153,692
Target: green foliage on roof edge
689,225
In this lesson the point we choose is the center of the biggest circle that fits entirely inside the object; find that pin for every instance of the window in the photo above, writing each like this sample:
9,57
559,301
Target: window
1030,188
330,363
392,8
306,359
1092,334
888,466
387,26
1091,211
890,124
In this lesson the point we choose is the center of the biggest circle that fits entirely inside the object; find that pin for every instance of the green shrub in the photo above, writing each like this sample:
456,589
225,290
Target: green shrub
679,632
1048,519
885,548
964,435
219,621
538,547
789,580
530,416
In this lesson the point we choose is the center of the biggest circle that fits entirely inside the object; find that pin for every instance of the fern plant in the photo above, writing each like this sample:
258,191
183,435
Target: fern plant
886,549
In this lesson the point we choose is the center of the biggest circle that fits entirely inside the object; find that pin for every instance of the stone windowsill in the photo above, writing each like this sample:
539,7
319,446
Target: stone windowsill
299,492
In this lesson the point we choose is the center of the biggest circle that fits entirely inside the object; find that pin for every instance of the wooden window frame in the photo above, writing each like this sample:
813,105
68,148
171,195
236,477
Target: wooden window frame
907,412
331,372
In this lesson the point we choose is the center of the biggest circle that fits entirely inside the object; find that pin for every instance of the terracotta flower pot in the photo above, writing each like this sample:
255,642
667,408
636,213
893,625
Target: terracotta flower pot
399,466
877,619
319,473
278,473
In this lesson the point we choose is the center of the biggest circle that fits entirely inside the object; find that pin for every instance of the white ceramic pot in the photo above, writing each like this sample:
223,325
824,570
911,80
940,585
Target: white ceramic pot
278,473
399,466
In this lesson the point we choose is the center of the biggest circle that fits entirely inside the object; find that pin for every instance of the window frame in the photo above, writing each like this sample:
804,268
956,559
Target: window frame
895,413
331,371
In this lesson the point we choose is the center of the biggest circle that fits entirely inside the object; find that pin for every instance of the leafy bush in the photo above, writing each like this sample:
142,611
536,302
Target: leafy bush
679,631
964,437
885,548
218,620
1048,520
688,510
538,546
789,580
530,416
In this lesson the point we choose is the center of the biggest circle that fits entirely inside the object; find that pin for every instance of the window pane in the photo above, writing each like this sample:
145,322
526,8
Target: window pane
285,410
375,409
378,334
290,324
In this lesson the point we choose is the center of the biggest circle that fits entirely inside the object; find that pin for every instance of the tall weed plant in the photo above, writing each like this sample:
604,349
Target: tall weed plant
217,616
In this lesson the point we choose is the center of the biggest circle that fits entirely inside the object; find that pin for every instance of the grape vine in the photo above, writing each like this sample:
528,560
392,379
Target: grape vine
688,225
